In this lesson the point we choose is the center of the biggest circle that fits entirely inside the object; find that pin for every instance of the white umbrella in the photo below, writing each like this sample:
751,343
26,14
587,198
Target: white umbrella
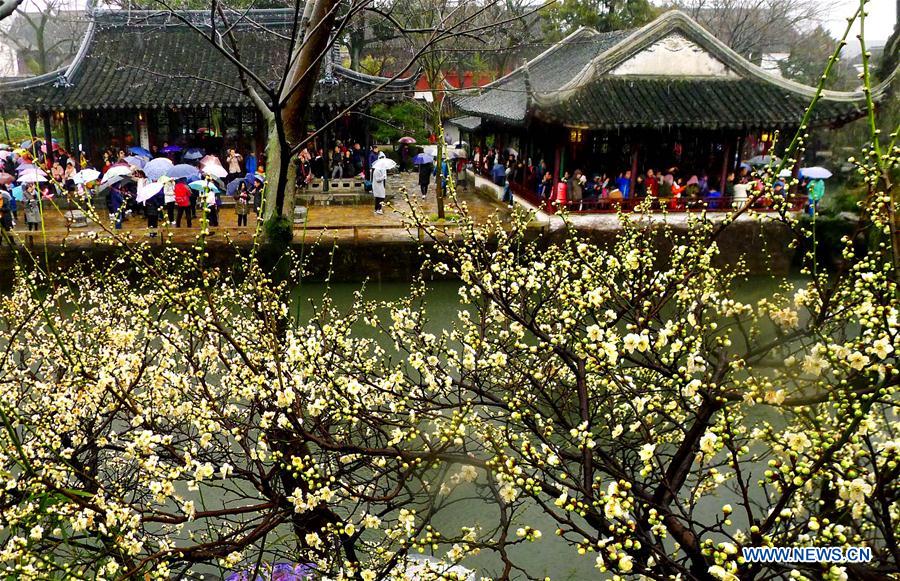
427,567
147,191
785,173
384,163
31,177
155,168
764,160
117,170
215,170
815,173
86,175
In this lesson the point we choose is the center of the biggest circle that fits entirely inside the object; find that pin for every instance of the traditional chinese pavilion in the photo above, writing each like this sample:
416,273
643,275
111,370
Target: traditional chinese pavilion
146,78
667,94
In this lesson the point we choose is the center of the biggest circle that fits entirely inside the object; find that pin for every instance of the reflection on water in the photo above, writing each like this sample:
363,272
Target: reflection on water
549,556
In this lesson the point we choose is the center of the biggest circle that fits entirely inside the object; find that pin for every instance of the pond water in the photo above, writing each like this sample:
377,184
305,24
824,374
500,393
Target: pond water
548,557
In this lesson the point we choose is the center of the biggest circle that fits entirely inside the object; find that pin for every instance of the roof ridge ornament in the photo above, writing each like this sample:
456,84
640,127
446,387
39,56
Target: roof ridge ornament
62,81
331,57
529,94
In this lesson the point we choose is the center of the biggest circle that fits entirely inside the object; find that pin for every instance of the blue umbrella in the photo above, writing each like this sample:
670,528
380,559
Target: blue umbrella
193,154
135,150
182,170
422,159
156,168
28,143
232,188
253,177
202,185
170,149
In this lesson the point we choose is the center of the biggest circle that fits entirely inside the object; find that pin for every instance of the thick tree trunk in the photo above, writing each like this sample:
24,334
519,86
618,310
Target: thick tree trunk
355,56
295,100
281,175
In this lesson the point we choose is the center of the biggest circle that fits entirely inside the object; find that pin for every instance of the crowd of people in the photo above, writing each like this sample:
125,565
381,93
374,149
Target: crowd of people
579,190
31,181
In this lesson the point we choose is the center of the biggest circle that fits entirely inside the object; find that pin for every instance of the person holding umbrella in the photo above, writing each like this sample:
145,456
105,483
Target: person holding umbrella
242,204
152,208
116,205
32,208
6,221
169,197
379,179
426,167
183,203
816,190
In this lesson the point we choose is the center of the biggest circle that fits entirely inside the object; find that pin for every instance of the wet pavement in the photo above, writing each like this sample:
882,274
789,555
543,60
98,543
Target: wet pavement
358,223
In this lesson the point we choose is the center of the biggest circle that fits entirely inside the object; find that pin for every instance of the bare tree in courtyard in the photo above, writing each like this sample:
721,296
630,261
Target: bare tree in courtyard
44,35
755,27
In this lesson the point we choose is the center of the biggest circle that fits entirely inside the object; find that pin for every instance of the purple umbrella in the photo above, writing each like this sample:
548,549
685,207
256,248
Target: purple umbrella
276,572
253,177
135,161
156,168
170,149
28,167
182,170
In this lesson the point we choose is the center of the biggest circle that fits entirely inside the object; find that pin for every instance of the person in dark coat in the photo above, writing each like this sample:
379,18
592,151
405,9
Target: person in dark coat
151,210
242,203
425,171
32,208
116,206
6,221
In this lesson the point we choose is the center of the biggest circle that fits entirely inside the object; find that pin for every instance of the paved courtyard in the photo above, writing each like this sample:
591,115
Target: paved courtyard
337,222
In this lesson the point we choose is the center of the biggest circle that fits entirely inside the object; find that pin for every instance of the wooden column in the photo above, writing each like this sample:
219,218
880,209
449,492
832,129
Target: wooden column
739,152
326,156
557,163
726,163
32,125
635,154
48,138
67,139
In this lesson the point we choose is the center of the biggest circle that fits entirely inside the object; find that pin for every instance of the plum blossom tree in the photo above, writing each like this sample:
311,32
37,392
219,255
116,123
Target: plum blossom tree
163,417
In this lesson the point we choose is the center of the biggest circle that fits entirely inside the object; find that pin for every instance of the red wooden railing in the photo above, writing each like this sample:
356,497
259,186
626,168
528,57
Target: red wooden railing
607,205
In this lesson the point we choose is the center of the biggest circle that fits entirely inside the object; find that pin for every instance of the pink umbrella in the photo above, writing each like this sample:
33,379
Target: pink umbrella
407,140
210,159
6,179
29,168
55,147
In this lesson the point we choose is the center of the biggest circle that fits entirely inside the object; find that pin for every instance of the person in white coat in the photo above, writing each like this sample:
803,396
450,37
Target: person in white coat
169,194
379,177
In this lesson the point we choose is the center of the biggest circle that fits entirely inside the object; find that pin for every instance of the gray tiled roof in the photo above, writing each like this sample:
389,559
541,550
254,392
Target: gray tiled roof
468,122
138,60
575,84
506,99
616,102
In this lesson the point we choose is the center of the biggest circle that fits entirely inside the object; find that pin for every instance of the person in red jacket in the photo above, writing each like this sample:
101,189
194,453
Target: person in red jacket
183,202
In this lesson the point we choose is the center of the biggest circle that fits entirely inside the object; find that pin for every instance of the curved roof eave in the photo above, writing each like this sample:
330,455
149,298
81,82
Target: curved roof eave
63,73
677,20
